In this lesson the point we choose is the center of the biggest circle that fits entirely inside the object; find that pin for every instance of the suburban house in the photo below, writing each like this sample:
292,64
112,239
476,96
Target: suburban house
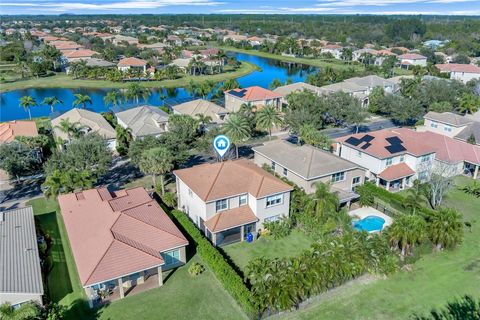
20,261
412,59
78,55
460,72
86,122
132,63
229,201
358,91
334,49
307,165
393,159
452,156
373,81
121,241
17,128
287,89
144,121
202,107
119,40
254,96
235,38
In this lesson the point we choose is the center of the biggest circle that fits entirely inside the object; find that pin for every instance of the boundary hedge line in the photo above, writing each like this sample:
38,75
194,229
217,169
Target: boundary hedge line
227,276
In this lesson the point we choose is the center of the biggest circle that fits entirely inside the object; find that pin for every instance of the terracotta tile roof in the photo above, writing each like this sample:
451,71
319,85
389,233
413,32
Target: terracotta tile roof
447,149
132,62
80,53
213,181
385,53
457,67
396,171
253,94
332,47
231,218
412,56
17,128
377,143
115,234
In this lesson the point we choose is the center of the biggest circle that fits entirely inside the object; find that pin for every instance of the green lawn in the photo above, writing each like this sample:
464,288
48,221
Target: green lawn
435,279
64,81
242,252
181,297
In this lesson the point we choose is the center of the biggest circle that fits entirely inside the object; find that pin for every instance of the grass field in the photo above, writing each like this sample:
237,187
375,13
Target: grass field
435,279
181,297
242,252
64,81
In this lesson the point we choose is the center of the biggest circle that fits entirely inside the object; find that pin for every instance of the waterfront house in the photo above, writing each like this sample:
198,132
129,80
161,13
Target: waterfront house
229,200
307,165
202,107
21,274
253,96
144,121
121,241
132,63
334,49
86,122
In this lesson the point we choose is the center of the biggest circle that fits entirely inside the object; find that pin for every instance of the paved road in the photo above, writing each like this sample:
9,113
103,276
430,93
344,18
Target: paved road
372,126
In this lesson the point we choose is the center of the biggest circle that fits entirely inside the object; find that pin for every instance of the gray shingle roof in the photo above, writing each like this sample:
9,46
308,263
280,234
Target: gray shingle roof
471,129
449,118
371,81
20,270
307,161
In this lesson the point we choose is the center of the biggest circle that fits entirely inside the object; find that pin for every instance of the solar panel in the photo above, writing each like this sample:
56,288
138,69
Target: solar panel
367,138
240,93
366,145
395,148
353,141
394,140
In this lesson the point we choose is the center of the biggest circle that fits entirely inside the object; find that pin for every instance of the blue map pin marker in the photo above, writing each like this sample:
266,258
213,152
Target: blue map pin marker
221,143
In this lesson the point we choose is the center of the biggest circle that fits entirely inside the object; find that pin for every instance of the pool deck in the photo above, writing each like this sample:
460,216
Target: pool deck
364,212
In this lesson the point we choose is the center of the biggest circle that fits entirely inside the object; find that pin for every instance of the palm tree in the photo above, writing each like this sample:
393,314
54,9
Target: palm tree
82,99
192,88
71,129
51,102
445,228
267,118
205,88
113,97
24,312
27,102
237,129
324,200
468,104
136,91
203,120
406,231
162,95
157,161
230,84
275,84
416,196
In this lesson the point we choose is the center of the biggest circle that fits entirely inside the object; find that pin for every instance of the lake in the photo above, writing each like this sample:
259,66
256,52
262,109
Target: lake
270,69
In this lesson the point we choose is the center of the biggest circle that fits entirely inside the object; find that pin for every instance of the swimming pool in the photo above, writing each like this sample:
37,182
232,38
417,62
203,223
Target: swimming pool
369,224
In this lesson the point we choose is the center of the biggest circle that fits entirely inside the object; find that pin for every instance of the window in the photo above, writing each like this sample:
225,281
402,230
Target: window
402,158
424,159
422,176
242,200
190,193
447,128
171,257
272,218
355,180
359,154
389,161
434,124
221,205
274,200
285,171
339,176
273,165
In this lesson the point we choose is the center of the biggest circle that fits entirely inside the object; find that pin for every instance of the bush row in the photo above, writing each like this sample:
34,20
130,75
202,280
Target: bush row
227,276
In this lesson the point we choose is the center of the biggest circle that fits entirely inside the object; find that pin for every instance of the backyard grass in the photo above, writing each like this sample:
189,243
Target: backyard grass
434,280
181,297
64,81
242,252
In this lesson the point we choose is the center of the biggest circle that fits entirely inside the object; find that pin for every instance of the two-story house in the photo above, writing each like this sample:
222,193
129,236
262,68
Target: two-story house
254,96
460,72
412,59
446,123
229,200
306,166
393,158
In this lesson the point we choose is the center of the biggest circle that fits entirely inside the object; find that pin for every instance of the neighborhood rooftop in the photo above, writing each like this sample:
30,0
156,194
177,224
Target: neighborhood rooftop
254,93
113,234
17,128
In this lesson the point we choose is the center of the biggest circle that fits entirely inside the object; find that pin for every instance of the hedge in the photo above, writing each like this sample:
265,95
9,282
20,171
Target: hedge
395,199
227,276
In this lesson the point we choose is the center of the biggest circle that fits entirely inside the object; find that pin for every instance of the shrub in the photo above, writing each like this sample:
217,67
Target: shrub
169,198
195,269
227,276
280,228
